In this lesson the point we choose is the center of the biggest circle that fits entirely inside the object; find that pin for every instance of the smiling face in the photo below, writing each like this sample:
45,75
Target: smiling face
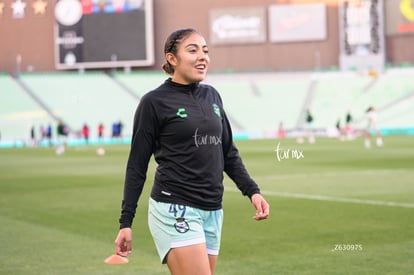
191,60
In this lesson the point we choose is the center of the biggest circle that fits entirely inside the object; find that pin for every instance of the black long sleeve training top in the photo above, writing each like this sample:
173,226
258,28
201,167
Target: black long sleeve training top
187,130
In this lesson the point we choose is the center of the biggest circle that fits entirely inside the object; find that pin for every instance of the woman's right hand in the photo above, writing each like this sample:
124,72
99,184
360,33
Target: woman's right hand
123,242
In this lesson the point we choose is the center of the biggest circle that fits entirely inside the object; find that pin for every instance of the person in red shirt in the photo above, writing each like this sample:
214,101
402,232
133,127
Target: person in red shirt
85,133
100,131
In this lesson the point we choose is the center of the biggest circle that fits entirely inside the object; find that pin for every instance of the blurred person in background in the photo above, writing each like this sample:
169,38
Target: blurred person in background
43,133
120,128
85,133
117,129
182,122
372,128
281,132
62,133
100,131
348,127
339,130
33,141
309,126
49,134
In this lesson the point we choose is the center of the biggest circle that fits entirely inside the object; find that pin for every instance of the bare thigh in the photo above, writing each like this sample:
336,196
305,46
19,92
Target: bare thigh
191,260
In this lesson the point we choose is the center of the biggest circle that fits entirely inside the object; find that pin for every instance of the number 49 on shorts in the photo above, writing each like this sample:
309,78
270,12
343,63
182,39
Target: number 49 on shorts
177,210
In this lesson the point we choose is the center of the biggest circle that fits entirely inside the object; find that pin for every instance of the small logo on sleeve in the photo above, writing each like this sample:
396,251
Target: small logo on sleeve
216,109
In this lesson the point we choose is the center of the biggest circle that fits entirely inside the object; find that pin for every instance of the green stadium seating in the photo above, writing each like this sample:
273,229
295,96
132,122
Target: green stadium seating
255,102
18,112
89,98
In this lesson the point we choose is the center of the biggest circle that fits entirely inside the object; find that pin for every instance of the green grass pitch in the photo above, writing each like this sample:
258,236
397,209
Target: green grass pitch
336,208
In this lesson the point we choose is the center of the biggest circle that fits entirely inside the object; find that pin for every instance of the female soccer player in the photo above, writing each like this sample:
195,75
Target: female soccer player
182,122
372,128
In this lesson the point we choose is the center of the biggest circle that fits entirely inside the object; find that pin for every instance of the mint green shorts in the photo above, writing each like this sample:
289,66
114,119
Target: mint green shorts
173,225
